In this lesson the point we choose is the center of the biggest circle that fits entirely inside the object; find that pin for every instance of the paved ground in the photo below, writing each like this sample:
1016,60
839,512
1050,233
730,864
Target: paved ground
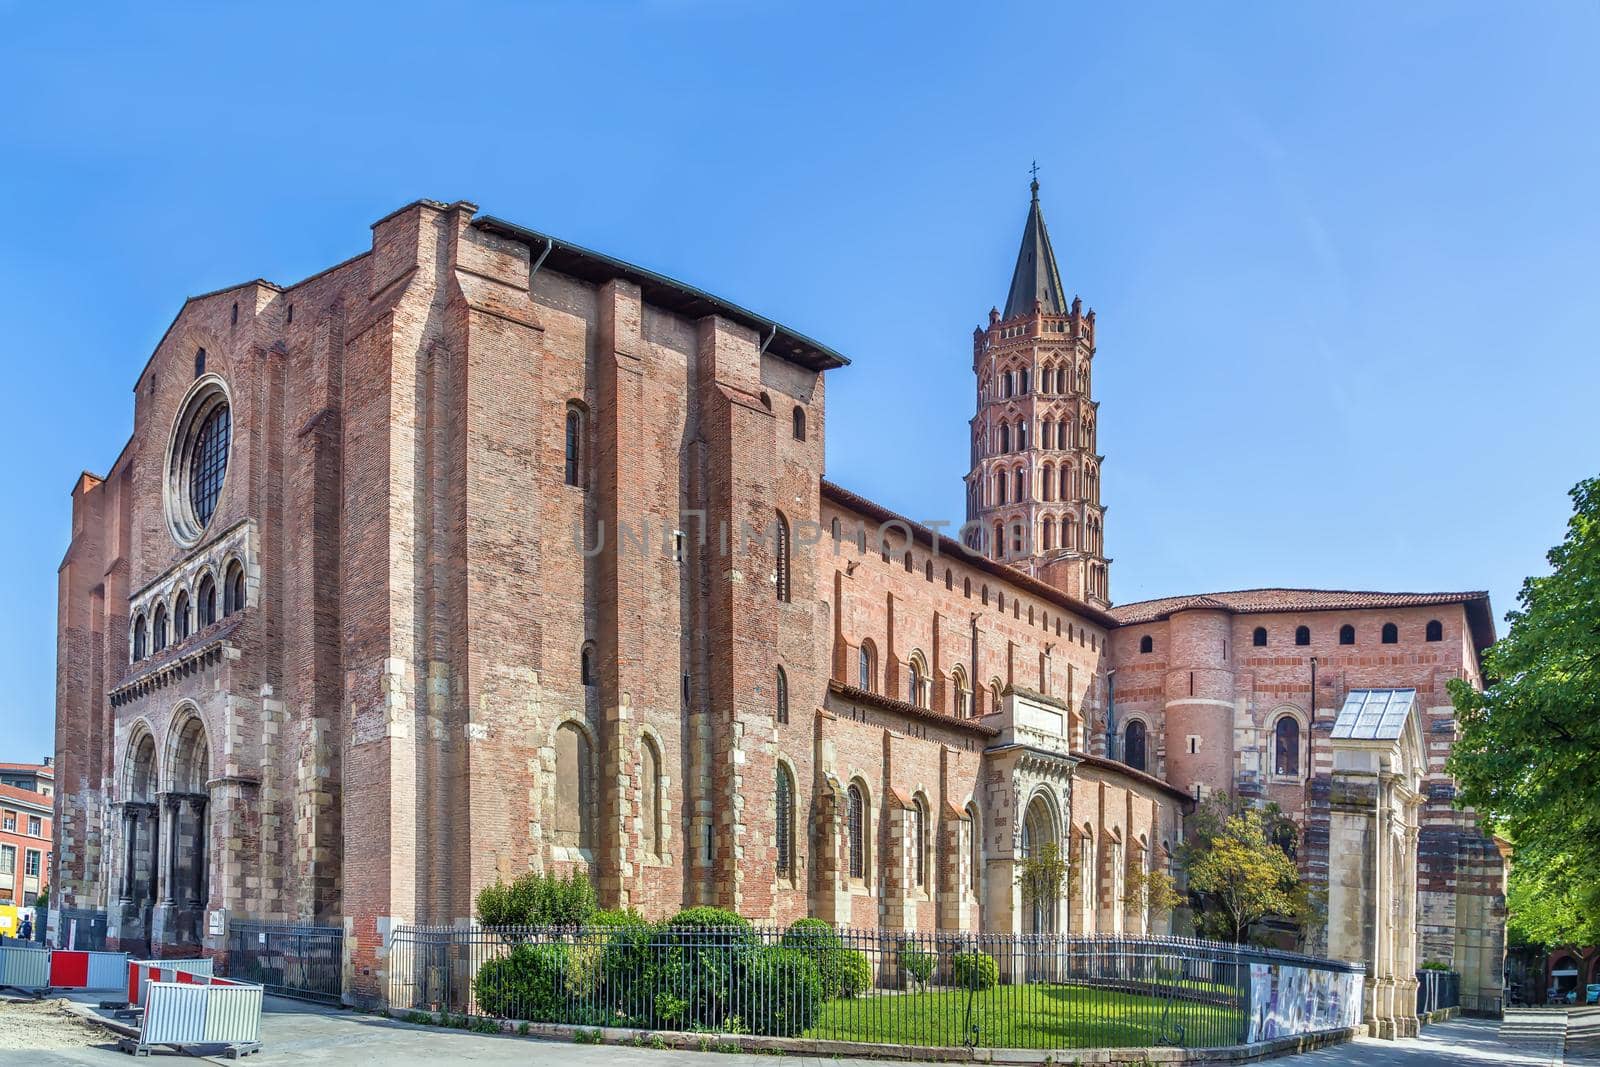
316,1037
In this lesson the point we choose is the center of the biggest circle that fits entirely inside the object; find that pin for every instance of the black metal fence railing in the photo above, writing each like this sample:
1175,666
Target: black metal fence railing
296,961
1437,990
929,989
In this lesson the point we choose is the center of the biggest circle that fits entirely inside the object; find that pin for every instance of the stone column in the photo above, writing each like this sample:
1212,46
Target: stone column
201,854
129,842
169,805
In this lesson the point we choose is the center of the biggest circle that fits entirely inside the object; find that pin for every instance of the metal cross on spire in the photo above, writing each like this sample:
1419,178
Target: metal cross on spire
1033,186
1034,170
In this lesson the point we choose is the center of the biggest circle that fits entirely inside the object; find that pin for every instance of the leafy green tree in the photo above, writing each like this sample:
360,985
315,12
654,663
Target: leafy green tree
1154,892
1528,755
1044,875
1240,870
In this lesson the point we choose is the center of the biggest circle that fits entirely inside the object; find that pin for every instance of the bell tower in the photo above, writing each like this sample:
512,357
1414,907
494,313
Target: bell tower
1033,493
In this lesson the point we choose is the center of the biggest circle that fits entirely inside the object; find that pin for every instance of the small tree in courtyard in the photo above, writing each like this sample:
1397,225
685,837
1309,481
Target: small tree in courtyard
1045,875
1153,892
1240,870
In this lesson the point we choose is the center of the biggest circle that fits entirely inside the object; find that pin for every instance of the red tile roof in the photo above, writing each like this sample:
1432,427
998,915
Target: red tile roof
27,796
1257,601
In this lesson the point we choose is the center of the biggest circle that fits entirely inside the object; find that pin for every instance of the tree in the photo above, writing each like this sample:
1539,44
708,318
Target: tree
1044,874
1528,755
1239,869
1153,892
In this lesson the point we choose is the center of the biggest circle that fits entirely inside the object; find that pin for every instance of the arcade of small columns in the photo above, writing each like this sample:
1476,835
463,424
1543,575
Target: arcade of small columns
164,838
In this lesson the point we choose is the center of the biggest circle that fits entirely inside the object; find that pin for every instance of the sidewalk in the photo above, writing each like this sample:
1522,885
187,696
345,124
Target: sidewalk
294,1032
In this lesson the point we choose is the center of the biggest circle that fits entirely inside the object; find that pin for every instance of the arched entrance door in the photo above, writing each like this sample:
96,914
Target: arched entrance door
186,881
140,845
1041,840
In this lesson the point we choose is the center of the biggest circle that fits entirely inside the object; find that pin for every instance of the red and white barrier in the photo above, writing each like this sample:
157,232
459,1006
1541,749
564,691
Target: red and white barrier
71,969
186,972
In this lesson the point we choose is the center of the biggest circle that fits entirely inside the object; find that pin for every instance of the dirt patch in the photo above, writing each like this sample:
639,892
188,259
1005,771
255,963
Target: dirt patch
46,1024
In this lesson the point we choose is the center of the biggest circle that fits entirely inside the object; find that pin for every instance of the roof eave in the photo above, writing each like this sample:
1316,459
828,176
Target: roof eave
669,293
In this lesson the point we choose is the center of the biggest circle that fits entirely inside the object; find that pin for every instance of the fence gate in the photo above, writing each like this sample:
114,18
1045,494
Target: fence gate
291,960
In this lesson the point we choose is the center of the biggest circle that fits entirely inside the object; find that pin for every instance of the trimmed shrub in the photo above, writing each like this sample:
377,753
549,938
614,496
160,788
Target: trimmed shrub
975,970
526,984
917,963
699,970
538,900
845,972
782,992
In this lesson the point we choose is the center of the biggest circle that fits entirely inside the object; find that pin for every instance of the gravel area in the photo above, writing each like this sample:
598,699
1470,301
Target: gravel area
46,1024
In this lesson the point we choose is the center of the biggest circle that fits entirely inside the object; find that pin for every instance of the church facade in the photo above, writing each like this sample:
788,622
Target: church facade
482,552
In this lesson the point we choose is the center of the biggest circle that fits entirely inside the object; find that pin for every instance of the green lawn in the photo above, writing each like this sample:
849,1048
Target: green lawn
1028,1016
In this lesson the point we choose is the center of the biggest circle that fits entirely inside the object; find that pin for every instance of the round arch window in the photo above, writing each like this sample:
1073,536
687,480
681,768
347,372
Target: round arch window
197,459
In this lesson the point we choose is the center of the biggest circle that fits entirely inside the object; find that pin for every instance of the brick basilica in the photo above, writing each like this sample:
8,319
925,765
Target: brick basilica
481,552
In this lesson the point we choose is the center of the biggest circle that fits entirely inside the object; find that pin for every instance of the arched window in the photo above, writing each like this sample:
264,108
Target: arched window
1024,375
927,571
1133,744
1286,746
574,446
158,629
1259,638
1021,485
180,618
209,462
1147,644
1302,635
1347,634
1391,634
783,695
200,355
781,558
1066,483
783,804
650,799
1022,434
206,602
917,674
975,844
1005,438
999,536
139,639
799,423
909,563
573,787
868,662
961,693
1435,630
949,580
233,589
1000,601
1000,487
835,529
1086,877
994,695
1049,532
857,828
966,588
919,839
586,664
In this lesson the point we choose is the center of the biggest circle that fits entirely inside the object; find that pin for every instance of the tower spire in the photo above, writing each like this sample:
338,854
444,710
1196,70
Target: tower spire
1036,277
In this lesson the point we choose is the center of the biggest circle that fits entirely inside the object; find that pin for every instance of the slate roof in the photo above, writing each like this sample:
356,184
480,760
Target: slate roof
1036,276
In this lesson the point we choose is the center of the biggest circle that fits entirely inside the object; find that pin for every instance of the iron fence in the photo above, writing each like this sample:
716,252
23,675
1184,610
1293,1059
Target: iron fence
293,960
82,928
881,987
1437,990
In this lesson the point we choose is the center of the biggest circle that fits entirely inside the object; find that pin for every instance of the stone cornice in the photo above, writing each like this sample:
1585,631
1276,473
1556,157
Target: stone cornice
162,674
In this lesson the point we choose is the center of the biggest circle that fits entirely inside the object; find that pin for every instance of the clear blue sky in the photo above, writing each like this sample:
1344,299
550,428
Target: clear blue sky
1344,256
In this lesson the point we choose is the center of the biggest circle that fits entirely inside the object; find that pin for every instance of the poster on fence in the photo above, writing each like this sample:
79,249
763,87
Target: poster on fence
1286,1001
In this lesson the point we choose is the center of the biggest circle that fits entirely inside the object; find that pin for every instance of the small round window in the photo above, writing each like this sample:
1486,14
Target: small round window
197,459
